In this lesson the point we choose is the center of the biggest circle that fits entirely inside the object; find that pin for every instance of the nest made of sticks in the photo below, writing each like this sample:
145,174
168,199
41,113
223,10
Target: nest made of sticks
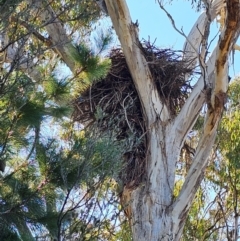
114,104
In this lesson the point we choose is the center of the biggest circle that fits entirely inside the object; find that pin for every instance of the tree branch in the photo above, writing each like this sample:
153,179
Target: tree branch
56,31
196,33
14,56
194,103
32,30
128,36
226,43
192,107
214,113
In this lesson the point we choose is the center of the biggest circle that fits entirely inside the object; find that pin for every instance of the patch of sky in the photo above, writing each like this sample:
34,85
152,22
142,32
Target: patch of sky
154,24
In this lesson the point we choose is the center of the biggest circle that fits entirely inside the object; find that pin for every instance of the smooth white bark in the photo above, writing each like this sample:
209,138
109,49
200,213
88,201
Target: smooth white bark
192,107
153,214
215,108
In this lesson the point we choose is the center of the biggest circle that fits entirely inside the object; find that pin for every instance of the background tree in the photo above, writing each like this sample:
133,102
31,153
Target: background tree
214,214
56,178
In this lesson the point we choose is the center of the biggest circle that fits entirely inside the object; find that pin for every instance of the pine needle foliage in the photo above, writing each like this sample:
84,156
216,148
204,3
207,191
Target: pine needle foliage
93,66
56,90
56,181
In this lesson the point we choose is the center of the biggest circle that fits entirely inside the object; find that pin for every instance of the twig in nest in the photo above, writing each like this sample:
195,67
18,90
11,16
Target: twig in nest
125,112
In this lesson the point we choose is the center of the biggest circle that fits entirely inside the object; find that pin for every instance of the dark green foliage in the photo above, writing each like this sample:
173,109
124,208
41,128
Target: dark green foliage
19,204
82,159
7,6
31,114
93,67
89,157
56,90
57,180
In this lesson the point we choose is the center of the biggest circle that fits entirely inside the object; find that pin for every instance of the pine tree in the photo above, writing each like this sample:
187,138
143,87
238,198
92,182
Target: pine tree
55,176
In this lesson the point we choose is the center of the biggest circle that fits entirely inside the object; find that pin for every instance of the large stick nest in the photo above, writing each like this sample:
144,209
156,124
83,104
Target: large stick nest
114,105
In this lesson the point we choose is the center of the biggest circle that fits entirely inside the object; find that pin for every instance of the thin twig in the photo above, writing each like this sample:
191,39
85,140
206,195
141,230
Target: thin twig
175,27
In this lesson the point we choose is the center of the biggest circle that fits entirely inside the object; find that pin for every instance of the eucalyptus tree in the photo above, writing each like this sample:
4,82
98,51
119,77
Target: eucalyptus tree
154,213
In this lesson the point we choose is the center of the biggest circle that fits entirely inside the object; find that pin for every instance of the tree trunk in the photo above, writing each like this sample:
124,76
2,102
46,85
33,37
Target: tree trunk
151,202
151,209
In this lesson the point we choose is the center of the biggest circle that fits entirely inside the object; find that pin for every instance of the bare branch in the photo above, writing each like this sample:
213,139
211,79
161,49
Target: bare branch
175,27
226,43
128,35
15,57
33,31
197,31
192,107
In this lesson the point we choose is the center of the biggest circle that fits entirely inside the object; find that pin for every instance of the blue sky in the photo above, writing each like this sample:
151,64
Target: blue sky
154,23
